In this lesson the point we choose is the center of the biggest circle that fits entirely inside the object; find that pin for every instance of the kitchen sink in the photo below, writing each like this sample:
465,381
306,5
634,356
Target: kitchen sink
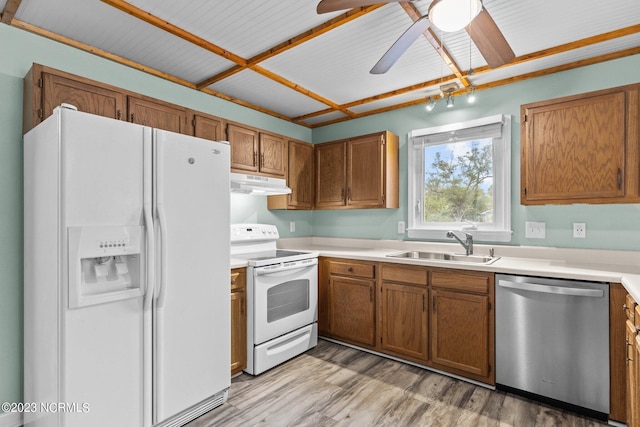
445,256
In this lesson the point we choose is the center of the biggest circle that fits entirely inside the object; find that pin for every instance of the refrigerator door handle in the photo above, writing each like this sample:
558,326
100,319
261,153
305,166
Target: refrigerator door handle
149,230
163,256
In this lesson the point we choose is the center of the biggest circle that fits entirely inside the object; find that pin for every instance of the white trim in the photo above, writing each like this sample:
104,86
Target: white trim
459,125
501,231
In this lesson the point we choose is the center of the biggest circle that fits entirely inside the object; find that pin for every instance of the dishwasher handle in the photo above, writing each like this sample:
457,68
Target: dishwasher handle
548,289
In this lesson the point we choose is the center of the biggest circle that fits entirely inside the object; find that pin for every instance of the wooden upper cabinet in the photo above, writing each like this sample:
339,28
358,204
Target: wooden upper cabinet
273,155
244,148
157,114
581,149
359,172
299,179
45,89
256,152
208,127
331,175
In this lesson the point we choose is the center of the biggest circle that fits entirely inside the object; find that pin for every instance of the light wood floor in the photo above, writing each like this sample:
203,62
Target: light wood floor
333,385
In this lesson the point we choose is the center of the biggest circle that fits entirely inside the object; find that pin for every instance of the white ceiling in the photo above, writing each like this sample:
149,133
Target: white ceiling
326,78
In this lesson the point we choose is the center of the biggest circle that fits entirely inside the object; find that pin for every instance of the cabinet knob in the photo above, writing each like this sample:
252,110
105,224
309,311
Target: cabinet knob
350,269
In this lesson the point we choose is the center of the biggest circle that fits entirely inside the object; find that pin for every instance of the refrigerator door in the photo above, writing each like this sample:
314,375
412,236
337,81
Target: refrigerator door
101,343
192,304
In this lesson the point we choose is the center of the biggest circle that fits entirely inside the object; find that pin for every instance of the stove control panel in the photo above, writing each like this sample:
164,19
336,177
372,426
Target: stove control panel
253,232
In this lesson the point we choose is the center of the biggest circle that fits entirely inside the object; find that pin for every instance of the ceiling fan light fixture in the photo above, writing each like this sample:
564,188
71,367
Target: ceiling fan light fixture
453,15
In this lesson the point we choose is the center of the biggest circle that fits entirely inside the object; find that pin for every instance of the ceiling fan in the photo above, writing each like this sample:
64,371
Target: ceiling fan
468,14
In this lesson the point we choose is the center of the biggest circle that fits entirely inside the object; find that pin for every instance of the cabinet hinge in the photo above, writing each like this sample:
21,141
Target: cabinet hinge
525,191
193,122
118,114
40,113
40,84
489,305
383,198
526,117
384,140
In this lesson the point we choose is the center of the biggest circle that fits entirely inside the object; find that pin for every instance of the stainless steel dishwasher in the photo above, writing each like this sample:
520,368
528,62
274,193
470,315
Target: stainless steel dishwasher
552,339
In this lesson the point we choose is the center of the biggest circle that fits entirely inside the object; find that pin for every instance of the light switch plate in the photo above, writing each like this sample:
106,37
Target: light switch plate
292,226
534,230
401,227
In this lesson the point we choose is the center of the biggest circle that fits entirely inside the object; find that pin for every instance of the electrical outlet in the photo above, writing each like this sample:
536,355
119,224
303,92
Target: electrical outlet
292,226
534,230
579,230
401,227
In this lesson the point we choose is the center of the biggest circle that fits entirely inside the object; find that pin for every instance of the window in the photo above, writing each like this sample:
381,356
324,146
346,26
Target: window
460,179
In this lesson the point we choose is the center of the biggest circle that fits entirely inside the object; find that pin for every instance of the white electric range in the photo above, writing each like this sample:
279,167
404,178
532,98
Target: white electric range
282,296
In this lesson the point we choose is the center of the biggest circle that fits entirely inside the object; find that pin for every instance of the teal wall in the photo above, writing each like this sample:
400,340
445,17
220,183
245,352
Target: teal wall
611,227
608,226
19,50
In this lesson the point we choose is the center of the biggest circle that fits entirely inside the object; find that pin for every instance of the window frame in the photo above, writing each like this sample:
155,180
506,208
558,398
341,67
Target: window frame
500,231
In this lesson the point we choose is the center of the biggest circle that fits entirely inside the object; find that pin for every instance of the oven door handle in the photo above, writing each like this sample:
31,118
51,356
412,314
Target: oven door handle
285,268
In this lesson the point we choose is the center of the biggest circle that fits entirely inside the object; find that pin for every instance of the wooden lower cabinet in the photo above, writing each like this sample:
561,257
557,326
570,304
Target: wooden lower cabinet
238,320
462,323
632,361
440,318
403,312
347,297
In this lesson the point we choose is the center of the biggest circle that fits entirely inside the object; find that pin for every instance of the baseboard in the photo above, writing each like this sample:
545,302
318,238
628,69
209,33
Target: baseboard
11,419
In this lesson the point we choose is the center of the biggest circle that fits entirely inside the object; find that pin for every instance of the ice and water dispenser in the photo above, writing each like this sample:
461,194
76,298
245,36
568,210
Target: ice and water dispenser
105,264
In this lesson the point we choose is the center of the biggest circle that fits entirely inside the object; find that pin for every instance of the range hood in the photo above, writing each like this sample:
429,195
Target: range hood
258,185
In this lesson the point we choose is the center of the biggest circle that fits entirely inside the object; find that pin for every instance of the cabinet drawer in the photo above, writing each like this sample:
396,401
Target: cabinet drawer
353,269
629,307
238,279
469,281
404,274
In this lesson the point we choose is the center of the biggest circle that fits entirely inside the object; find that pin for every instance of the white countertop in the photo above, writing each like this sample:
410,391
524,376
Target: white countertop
580,264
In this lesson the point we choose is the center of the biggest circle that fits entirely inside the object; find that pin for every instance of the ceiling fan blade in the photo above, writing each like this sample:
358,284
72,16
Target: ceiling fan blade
401,45
326,6
489,40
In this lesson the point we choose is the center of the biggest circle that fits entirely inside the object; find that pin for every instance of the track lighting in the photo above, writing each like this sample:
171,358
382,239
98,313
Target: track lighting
431,104
471,95
449,101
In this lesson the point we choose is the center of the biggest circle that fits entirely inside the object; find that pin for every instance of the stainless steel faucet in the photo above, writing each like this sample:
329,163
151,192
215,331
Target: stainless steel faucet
467,244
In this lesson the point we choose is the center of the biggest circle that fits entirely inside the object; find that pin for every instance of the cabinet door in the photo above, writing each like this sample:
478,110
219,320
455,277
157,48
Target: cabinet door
244,149
208,127
273,155
86,97
460,332
300,175
352,310
238,320
324,283
157,114
404,320
238,331
330,175
574,150
365,172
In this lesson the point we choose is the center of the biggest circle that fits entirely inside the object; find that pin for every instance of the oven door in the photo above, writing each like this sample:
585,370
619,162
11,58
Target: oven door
285,298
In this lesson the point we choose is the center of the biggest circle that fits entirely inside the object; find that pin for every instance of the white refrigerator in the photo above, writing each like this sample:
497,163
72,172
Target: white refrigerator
126,274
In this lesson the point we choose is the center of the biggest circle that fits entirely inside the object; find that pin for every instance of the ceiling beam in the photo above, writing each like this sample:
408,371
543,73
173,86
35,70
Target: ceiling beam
611,35
198,41
431,37
10,9
293,42
570,66
124,61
